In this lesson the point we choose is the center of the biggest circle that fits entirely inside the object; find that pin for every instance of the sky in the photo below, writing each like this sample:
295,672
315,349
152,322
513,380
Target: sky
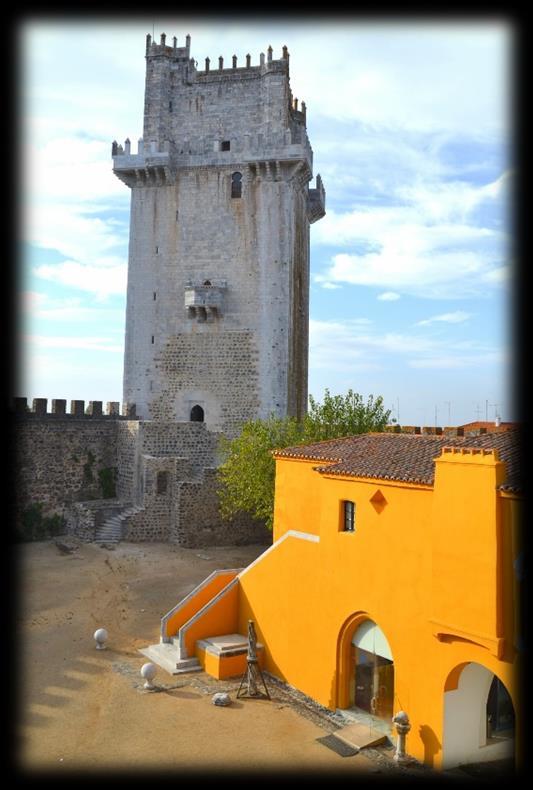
410,123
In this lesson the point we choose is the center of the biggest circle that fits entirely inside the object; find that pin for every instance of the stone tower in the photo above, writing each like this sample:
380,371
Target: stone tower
218,279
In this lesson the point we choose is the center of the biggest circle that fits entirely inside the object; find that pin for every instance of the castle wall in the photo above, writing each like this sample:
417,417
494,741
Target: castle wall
58,460
199,523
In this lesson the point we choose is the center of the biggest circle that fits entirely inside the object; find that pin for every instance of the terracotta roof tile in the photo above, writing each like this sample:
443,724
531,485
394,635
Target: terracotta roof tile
406,457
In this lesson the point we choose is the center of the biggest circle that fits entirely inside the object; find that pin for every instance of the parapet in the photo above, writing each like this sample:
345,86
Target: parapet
173,52
77,409
426,430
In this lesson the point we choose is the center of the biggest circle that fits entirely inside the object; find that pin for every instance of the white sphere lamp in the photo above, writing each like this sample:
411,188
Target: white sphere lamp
148,671
100,637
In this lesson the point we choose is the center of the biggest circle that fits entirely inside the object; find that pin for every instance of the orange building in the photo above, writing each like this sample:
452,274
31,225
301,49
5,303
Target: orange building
393,583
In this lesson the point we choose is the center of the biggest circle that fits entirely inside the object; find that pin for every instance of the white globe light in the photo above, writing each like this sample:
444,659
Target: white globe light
148,671
100,636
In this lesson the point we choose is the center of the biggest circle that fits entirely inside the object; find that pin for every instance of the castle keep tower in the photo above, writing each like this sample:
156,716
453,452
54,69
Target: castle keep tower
218,280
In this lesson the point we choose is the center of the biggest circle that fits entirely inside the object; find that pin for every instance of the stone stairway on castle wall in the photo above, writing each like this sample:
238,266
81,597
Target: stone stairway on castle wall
111,530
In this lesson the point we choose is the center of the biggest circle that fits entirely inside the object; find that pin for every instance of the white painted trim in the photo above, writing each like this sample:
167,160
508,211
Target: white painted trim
190,596
292,533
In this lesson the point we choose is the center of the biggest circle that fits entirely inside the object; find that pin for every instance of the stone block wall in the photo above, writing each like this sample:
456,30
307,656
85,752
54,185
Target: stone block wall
57,460
198,523
167,468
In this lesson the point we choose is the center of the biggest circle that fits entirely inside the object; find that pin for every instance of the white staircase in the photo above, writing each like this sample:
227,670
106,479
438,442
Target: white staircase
166,655
111,530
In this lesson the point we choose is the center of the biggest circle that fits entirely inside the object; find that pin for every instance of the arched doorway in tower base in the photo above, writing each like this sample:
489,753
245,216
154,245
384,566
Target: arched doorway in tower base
479,718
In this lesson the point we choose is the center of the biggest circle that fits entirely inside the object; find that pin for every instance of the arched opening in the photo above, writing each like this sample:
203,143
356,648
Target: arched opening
373,675
365,670
236,185
197,414
478,718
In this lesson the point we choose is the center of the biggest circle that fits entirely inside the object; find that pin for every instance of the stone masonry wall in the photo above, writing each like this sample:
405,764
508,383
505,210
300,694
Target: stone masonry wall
199,523
57,460
240,350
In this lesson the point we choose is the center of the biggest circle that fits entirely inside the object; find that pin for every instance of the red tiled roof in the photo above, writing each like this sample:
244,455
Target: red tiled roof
405,457
489,426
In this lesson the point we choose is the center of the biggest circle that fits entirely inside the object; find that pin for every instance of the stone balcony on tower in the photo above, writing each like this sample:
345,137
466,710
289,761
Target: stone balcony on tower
203,301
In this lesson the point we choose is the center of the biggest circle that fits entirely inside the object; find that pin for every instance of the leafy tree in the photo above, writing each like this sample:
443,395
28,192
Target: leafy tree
344,415
247,474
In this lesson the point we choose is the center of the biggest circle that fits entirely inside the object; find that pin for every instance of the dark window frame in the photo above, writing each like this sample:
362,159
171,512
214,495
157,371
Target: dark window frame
348,516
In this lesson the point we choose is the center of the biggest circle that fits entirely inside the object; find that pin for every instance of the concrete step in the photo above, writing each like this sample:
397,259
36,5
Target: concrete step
165,655
360,736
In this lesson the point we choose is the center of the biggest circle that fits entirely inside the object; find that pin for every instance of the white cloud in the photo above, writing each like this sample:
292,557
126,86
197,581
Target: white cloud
101,281
451,200
337,346
388,296
330,286
426,77
85,343
40,306
417,249
449,318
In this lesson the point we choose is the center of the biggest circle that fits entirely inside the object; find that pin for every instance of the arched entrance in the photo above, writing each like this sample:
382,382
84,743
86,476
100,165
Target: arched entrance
478,717
197,414
366,670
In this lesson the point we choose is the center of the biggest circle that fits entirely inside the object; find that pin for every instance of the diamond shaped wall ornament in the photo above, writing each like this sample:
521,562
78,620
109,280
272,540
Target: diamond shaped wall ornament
378,501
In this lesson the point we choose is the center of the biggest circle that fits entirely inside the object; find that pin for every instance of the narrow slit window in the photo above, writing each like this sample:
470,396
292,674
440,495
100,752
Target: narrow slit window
236,185
349,517
162,482
152,340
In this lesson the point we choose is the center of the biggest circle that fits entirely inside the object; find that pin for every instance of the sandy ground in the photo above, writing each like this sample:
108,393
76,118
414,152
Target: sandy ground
82,709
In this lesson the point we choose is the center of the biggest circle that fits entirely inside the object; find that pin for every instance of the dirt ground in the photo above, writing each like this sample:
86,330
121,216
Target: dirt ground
84,710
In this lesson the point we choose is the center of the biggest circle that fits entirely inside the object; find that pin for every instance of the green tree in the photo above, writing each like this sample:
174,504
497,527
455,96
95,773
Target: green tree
344,415
246,476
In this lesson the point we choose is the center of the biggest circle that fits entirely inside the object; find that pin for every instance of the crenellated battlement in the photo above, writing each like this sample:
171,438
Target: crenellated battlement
78,410
162,49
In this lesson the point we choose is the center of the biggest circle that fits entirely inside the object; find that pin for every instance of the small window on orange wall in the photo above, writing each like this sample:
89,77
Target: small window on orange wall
348,516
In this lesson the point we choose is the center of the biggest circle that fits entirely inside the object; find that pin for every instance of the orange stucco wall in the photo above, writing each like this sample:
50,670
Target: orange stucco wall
204,593
432,567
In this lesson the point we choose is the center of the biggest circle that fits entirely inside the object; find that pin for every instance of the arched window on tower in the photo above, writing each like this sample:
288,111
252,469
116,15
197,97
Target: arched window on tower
236,185
197,414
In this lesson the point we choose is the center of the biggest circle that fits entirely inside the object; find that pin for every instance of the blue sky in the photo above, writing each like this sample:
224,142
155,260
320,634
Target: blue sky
411,269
